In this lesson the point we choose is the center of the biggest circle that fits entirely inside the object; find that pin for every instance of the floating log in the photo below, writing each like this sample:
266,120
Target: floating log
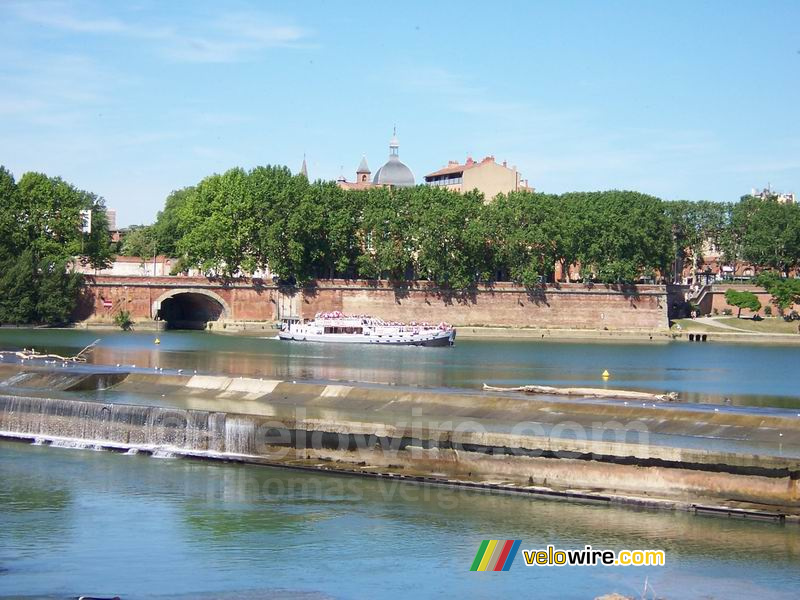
586,392
26,354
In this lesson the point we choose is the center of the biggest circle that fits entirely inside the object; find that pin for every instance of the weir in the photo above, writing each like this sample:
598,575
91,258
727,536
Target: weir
663,455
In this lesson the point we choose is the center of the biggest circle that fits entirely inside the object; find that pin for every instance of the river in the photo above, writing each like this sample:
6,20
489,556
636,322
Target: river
83,522
735,374
78,521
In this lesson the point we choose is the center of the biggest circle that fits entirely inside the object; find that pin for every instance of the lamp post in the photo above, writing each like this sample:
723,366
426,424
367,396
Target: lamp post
155,248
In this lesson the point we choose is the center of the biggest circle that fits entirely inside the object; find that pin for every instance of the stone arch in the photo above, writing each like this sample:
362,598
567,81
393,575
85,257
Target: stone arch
190,308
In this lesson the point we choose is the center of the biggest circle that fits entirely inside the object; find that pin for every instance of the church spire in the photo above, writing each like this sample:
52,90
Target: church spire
362,173
304,168
394,144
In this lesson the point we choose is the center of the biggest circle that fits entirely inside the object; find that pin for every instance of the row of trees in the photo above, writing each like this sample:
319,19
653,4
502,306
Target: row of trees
248,221
41,231
761,232
268,219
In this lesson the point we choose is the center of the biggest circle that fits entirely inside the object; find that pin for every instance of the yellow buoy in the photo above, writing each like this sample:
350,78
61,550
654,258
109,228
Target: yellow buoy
157,341
606,374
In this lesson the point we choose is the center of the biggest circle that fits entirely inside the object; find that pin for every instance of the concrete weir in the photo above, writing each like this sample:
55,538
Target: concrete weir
734,462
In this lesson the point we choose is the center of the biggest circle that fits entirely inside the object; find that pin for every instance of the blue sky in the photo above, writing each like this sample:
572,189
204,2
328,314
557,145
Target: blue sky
130,100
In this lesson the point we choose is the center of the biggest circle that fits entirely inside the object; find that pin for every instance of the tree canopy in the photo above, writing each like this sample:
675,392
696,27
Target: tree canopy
268,220
247,221
41,231
785,292
742,300
767,232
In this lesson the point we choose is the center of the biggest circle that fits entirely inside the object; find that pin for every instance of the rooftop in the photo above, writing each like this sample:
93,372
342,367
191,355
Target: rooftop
453,166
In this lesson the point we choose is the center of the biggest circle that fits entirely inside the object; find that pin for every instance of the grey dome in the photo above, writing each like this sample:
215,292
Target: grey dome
394,173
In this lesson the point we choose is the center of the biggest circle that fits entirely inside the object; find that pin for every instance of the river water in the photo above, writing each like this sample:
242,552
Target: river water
77,521
733,374
83,522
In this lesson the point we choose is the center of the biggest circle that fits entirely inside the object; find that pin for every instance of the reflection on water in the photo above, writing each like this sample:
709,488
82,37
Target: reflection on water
734,374
145,528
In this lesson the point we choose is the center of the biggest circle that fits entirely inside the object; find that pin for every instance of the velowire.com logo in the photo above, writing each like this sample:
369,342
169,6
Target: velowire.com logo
495,555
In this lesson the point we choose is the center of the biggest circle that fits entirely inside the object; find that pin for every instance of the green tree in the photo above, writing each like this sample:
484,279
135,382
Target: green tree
218,224
287,224
695,226
767,233
450,236
527,235
41,229
785,292
619,236
139,241
341,239
742,300
388,237
166,230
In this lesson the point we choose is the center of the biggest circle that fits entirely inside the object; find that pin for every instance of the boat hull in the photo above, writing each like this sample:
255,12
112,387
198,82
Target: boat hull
439,338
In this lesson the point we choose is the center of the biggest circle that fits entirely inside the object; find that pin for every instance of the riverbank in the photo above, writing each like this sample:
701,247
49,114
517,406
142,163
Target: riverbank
712,334
675,457
466,332
771,330
472,332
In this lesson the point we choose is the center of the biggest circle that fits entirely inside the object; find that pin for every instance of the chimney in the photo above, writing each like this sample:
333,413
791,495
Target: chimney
470,162
505,163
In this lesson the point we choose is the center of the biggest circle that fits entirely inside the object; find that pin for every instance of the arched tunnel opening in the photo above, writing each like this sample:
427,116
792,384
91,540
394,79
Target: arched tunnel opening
189,310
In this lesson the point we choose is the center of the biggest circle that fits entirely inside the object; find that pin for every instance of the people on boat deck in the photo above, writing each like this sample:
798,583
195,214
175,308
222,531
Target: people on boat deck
336,314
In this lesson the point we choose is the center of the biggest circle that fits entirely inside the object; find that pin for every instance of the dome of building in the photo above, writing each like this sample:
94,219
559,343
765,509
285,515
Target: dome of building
394,172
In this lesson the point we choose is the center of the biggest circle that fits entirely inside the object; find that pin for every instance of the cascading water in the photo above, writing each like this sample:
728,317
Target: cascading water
54,380
74,423
240,435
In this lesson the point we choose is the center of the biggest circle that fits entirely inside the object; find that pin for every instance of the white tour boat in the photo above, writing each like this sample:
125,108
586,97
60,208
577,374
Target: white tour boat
362,329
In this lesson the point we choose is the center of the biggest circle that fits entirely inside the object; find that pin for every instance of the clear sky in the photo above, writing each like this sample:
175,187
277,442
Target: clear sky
130,100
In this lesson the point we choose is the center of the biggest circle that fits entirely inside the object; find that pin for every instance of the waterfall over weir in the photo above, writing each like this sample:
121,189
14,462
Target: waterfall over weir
125,426
366,430
43,379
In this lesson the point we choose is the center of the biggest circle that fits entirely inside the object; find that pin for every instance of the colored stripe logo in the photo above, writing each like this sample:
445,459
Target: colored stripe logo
495,555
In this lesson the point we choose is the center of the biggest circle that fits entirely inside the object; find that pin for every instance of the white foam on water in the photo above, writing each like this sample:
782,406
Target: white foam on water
38,442
70,444
163,454
132,452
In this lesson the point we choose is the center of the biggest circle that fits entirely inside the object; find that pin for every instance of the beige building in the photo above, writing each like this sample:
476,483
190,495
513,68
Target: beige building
486,176
768,193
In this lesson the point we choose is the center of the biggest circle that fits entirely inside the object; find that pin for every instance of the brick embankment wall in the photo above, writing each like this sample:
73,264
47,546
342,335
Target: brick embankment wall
715,299
567,306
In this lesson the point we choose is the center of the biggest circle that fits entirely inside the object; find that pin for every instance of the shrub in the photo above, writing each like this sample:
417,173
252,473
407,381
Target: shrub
123,320
727,312
716,312
768,311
